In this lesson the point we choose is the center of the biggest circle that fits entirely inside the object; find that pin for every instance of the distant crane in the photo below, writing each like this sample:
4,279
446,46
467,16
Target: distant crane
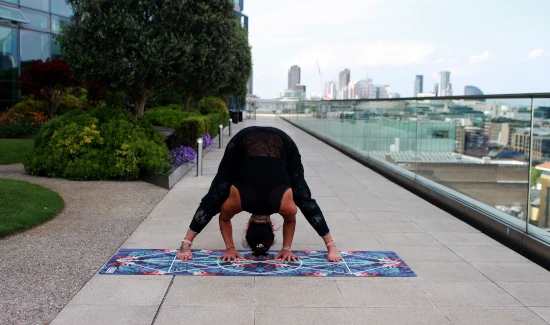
325,96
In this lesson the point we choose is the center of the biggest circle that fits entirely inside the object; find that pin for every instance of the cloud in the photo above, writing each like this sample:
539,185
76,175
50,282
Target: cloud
362,54
535,54
445,61
479,57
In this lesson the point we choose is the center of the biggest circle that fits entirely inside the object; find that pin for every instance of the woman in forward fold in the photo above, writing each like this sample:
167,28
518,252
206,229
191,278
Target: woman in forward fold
261,172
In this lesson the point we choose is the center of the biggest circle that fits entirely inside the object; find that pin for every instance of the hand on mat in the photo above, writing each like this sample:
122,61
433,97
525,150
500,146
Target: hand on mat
286,255
185,253
333,254
231,254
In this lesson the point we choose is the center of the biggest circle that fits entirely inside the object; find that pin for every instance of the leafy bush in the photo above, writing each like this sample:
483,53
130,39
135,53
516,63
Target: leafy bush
189,126
101,144
24,118
70,102
48,81
212,105
117,99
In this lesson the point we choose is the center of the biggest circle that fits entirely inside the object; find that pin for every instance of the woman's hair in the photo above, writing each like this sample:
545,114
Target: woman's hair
259,238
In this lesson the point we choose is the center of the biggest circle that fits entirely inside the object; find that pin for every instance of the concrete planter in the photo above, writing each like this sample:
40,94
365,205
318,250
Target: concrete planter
169,179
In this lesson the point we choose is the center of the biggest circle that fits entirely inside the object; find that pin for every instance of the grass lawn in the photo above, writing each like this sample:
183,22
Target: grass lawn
13,151
24,205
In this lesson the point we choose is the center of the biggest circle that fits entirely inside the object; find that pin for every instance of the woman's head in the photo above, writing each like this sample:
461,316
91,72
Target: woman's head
259,235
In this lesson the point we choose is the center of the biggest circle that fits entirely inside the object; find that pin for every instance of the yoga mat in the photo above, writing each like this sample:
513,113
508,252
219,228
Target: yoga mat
128,261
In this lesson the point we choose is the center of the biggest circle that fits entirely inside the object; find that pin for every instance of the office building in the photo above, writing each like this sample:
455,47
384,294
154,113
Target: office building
472,91
330,90
418,85
293,77
343,79
444,82
27,33
379,91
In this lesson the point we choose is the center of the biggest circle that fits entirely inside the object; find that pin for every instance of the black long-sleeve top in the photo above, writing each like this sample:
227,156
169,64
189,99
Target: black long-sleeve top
258,140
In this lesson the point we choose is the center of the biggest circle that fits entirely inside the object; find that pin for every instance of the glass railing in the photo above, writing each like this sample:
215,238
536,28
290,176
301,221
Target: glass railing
491,152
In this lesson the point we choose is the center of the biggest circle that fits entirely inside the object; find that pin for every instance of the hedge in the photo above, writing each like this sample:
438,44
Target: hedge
189,126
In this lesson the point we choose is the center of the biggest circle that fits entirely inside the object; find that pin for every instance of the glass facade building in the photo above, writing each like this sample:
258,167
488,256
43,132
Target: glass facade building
27,33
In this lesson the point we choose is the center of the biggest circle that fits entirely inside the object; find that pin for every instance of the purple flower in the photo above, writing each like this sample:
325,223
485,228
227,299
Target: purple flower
207,140
182,155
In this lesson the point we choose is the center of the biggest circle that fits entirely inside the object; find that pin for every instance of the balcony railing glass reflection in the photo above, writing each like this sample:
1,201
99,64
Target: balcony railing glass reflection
489,151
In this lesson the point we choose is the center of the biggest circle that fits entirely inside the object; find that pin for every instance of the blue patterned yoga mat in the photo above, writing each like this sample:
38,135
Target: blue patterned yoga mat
205,262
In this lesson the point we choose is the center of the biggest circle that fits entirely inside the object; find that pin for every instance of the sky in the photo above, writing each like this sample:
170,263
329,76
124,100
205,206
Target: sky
499,46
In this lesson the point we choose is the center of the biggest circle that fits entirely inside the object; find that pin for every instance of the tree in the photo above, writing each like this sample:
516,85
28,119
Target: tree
240,64
129,45
535,175
48,81
211,27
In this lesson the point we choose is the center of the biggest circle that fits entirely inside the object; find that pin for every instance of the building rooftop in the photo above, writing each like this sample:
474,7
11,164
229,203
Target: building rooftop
463,276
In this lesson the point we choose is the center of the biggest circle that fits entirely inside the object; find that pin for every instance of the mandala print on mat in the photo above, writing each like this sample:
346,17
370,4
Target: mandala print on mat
207,262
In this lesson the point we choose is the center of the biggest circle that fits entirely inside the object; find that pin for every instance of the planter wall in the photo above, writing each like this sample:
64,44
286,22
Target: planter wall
168,180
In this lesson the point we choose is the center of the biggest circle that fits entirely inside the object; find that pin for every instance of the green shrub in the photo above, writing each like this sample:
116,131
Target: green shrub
28,104
117,99
101,144
211,105
189,126
23,118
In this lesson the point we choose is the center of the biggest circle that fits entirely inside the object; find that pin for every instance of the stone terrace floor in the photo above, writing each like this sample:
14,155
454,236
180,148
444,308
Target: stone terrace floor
463,276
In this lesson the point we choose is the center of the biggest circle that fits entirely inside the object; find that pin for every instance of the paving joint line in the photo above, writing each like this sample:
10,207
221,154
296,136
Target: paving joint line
163,298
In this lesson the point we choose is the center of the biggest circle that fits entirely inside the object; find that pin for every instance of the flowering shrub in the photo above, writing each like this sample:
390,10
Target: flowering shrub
100,144
181,155
207,141
15,122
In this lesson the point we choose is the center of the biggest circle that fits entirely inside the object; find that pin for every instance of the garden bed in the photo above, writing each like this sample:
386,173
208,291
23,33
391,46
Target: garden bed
169,179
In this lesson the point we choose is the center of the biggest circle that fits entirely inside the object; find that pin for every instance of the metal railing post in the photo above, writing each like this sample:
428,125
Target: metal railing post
199,157
229,127
221,136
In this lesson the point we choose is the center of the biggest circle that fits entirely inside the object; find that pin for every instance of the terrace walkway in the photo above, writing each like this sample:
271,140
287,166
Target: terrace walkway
463,276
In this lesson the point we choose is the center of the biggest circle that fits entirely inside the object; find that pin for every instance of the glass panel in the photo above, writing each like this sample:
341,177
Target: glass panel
12,14
43,5
37,20
62,8
55,48
34,46
479,149
539,212
8,94
15,2
8,54
58,23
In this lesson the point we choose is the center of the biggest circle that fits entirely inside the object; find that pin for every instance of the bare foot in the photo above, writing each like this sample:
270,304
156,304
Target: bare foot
333,254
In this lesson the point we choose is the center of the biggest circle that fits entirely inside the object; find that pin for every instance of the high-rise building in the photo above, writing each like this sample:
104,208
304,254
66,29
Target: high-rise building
343,79
27,33
351,90
444,82
436,89
449,90
418,85
330,90
472,91
379,91
293,77
362,88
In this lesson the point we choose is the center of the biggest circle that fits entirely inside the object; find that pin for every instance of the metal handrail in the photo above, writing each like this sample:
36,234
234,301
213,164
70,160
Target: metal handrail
473,97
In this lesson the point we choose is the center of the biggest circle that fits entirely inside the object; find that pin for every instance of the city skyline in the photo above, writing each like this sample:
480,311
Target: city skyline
355,35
